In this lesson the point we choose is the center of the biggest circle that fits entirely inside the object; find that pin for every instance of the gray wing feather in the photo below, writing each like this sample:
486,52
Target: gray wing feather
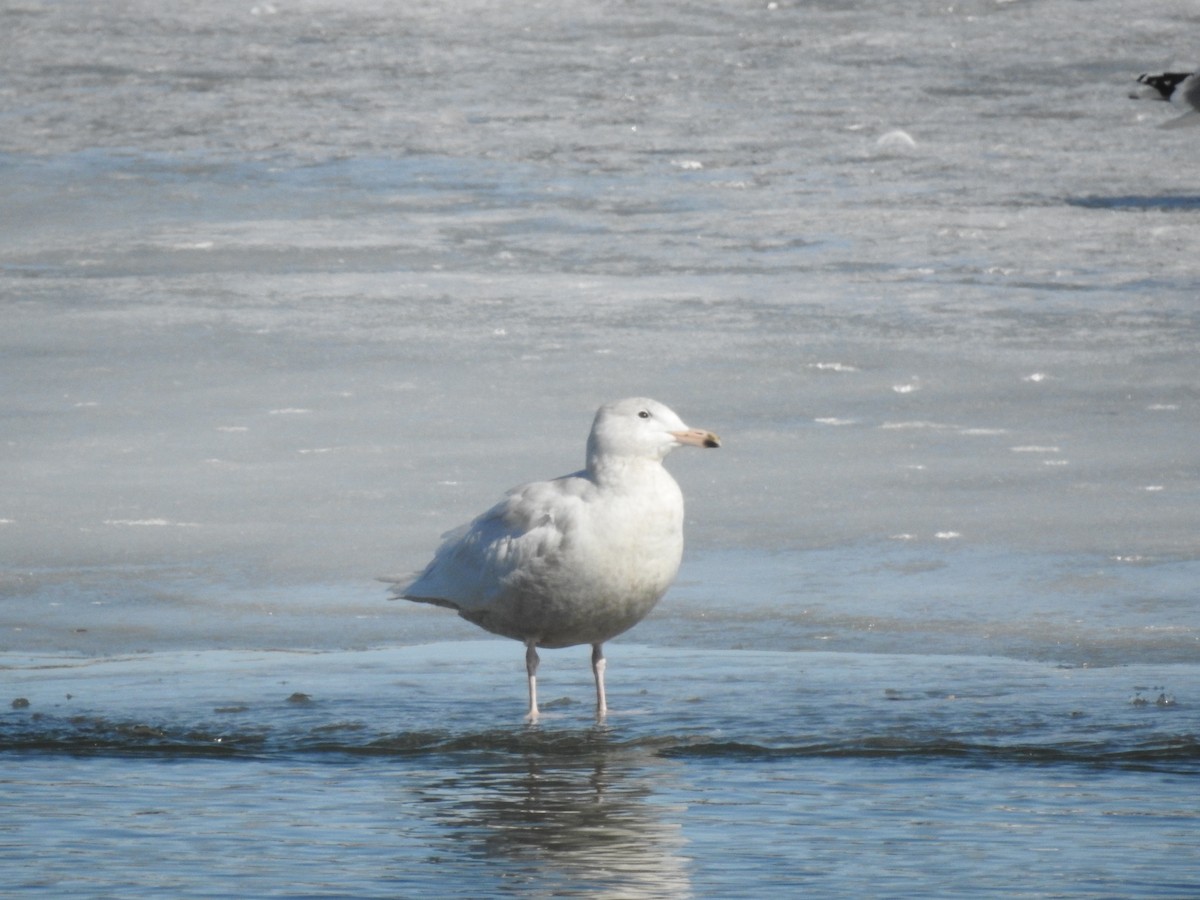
479,561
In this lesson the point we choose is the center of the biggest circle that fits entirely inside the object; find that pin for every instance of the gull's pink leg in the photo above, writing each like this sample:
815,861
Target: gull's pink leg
598,666
531,666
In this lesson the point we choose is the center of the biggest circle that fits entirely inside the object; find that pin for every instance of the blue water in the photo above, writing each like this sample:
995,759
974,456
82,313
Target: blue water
399,772
290,289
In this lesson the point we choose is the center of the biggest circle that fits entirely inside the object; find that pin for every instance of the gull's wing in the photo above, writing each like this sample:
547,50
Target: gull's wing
503,548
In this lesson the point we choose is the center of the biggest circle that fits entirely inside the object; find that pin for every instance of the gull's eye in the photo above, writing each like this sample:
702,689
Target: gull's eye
643,414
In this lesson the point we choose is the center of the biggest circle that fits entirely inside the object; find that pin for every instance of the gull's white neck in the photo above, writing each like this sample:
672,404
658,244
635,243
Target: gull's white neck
625,472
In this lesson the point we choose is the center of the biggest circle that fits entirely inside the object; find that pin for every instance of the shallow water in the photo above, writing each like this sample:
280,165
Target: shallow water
386,772
289,289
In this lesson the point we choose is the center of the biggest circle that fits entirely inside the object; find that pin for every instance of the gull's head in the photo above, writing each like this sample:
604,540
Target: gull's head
641,428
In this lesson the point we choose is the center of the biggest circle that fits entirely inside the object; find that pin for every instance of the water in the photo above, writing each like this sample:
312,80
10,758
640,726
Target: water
400,772
290,289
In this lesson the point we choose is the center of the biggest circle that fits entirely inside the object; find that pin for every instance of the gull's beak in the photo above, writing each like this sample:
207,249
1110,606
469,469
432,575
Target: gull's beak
697,437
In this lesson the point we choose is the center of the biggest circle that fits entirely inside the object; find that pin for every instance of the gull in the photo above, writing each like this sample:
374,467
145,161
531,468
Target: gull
579,559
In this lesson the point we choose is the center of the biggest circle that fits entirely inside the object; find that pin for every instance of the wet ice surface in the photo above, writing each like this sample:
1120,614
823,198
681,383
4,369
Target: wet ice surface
290,289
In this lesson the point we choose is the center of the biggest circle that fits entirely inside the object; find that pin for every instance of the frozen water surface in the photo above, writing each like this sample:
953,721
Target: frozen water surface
289,289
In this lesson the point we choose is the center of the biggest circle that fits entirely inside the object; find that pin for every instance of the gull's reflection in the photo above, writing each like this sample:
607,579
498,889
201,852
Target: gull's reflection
568,810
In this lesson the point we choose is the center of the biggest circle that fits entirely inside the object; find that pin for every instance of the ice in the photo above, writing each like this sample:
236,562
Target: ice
285,285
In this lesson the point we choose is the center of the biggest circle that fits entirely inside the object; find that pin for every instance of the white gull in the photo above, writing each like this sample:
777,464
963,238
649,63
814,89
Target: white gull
576,560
